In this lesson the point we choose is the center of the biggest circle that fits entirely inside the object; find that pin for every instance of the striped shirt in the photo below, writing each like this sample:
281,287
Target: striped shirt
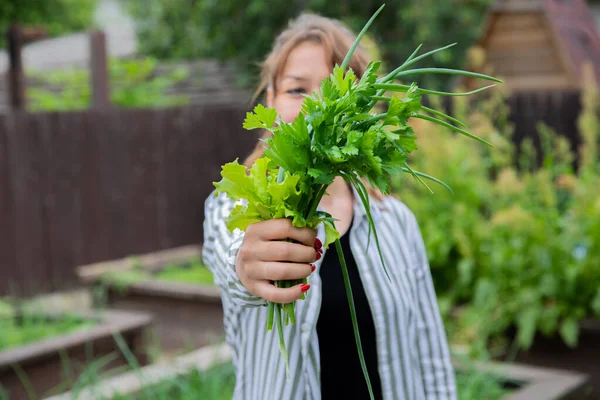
413,354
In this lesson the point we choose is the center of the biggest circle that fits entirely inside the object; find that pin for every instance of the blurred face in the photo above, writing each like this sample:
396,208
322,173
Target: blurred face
304,70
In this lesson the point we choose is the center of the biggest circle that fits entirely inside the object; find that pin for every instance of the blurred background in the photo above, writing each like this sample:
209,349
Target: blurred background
115,119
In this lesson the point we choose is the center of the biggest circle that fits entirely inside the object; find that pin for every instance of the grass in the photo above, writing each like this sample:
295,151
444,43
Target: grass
475,385
214,384
218,384
32,327
193,271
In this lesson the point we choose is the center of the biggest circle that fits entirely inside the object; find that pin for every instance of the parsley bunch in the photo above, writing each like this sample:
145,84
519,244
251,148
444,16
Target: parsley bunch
336,134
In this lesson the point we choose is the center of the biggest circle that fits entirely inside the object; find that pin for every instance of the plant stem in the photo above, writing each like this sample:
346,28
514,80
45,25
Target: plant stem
452,127
447,71
282,349
316,201
404,88
270,311
348,57
361,356
410,61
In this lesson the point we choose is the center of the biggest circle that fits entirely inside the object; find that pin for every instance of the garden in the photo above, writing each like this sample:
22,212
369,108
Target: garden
510,250
512,246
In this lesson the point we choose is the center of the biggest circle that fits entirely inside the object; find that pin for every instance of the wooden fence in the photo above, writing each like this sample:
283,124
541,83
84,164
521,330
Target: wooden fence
88,186
559,110
82,187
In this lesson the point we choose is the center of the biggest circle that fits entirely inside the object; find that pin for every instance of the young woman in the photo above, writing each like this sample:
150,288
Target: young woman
402,335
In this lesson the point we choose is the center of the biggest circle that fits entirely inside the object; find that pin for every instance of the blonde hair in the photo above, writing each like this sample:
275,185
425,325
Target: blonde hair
336,40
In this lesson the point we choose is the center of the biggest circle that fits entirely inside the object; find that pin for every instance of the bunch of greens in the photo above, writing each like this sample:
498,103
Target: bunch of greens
336,134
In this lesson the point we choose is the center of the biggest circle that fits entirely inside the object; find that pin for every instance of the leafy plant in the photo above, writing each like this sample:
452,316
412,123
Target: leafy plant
134,84
513,247
192,272
242,31
24,326
334,135
217,383
57,17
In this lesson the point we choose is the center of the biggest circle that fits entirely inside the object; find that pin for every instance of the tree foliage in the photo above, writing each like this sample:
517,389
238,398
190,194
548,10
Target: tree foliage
243,31
56,16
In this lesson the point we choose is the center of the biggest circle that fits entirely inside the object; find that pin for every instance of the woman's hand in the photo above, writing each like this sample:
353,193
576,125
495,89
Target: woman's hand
265,256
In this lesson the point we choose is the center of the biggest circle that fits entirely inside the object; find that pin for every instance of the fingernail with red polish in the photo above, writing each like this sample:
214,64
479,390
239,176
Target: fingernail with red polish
318,256
318,243
304,287
320,251
312,268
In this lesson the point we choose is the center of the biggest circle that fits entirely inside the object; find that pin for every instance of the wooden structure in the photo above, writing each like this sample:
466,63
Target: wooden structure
538,45
16,38
83,187
540,49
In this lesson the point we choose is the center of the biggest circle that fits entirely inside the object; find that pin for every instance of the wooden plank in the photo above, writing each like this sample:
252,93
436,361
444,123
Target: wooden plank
515,40
95,215
8,267
61,145
524,21
211,155
27,173
117,179
99,76
177,135
142,164
16,76
538,53
518,6
537,82
159,132
519,32
47,192
204,144
526,66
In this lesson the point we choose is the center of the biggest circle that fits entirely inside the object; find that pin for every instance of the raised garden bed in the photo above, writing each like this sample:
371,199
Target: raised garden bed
207,374
24,328
522,382
172,286
585,358
53,363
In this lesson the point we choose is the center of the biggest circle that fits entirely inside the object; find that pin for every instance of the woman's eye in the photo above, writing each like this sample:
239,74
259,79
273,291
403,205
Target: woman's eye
296,91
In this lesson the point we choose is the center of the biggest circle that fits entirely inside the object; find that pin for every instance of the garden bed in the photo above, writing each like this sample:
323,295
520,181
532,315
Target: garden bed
172,286
523,382
207,373
208,368
53,363
585,358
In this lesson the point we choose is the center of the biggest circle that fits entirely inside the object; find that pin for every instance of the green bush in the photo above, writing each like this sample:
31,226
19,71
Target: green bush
134,84
57,16
516,245
243,31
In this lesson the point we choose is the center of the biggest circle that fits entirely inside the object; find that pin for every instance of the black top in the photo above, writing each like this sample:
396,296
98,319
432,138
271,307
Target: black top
341,373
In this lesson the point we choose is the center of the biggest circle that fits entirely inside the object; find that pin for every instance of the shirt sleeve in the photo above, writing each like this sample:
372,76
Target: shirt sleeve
436,366
220,249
